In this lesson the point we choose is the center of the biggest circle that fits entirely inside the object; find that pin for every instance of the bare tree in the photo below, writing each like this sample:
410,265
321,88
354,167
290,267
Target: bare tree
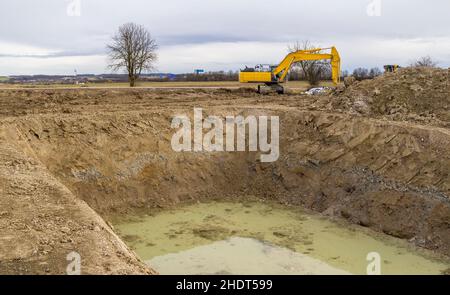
312,70
361,74
425,61
375,72
344,73
132,49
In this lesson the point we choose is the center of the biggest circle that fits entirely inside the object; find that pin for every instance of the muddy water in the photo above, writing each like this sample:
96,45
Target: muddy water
257,238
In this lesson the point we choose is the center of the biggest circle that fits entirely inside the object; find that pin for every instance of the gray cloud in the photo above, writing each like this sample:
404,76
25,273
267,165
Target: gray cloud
178,23
56,54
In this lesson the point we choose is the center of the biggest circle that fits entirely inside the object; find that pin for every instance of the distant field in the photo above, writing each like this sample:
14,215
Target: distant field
4,78
294,84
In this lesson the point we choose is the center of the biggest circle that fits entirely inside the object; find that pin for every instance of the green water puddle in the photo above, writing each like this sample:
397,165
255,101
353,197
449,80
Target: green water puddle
258,238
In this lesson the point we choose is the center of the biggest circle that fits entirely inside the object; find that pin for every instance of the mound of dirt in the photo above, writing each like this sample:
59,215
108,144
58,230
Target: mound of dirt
411,94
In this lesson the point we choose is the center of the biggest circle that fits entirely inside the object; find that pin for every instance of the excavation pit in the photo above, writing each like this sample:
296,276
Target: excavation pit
76,161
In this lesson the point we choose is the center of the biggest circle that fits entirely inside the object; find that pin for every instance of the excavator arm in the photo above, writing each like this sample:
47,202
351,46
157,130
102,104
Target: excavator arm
281,71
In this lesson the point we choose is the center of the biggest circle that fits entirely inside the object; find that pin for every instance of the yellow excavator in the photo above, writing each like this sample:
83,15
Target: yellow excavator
274,76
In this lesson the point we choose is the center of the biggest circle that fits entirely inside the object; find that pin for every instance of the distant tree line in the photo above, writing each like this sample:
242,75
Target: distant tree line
325,74
316,73
208,76
365,74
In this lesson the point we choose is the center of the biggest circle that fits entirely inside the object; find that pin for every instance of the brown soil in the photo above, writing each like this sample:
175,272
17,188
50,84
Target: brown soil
64,152
413,94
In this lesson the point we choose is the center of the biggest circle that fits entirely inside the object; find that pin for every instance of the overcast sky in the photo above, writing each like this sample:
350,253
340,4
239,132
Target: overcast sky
59,36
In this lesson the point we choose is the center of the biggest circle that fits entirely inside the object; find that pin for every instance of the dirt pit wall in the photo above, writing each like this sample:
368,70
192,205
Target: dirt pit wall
391,177
46,229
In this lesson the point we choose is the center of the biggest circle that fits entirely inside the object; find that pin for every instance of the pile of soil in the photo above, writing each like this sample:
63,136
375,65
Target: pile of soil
412,94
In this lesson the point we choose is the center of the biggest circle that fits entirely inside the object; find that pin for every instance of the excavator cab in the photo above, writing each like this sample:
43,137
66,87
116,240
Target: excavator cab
259,68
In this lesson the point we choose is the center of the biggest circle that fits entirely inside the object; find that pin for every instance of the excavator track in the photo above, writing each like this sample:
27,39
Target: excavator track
266,89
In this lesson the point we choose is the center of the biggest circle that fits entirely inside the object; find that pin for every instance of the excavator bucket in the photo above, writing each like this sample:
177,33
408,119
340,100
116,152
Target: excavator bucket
335,66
